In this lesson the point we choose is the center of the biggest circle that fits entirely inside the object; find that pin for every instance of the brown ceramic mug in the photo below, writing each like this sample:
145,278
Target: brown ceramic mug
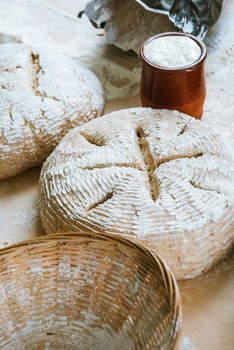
181,89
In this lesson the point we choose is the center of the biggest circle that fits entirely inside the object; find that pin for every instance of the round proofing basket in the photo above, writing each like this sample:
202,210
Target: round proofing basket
86,291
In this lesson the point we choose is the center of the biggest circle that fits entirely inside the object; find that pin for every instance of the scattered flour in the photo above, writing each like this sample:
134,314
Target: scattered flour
185,344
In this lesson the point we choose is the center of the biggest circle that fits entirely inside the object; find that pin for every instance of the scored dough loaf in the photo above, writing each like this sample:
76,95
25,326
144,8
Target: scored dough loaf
157,176
42,96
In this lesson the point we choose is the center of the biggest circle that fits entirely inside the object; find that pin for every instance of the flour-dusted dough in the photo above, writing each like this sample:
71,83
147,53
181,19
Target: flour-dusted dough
155,175
42,96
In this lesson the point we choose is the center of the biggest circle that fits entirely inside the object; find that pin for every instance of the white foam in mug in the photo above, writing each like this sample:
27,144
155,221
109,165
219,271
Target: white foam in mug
172,51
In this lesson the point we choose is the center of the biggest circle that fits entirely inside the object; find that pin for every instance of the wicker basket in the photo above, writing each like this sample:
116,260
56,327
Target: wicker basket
86,291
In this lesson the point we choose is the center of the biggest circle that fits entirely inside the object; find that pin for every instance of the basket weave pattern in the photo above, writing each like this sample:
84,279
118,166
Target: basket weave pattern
86,291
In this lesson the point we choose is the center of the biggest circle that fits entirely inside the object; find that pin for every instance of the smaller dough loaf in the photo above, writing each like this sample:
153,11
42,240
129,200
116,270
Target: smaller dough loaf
157,176
42,96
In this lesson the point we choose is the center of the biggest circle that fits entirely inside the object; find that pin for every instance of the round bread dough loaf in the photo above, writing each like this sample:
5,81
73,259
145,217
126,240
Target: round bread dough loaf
43,96
157,176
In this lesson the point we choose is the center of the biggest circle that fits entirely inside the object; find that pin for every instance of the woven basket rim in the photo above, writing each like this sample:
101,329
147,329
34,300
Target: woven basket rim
170,283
